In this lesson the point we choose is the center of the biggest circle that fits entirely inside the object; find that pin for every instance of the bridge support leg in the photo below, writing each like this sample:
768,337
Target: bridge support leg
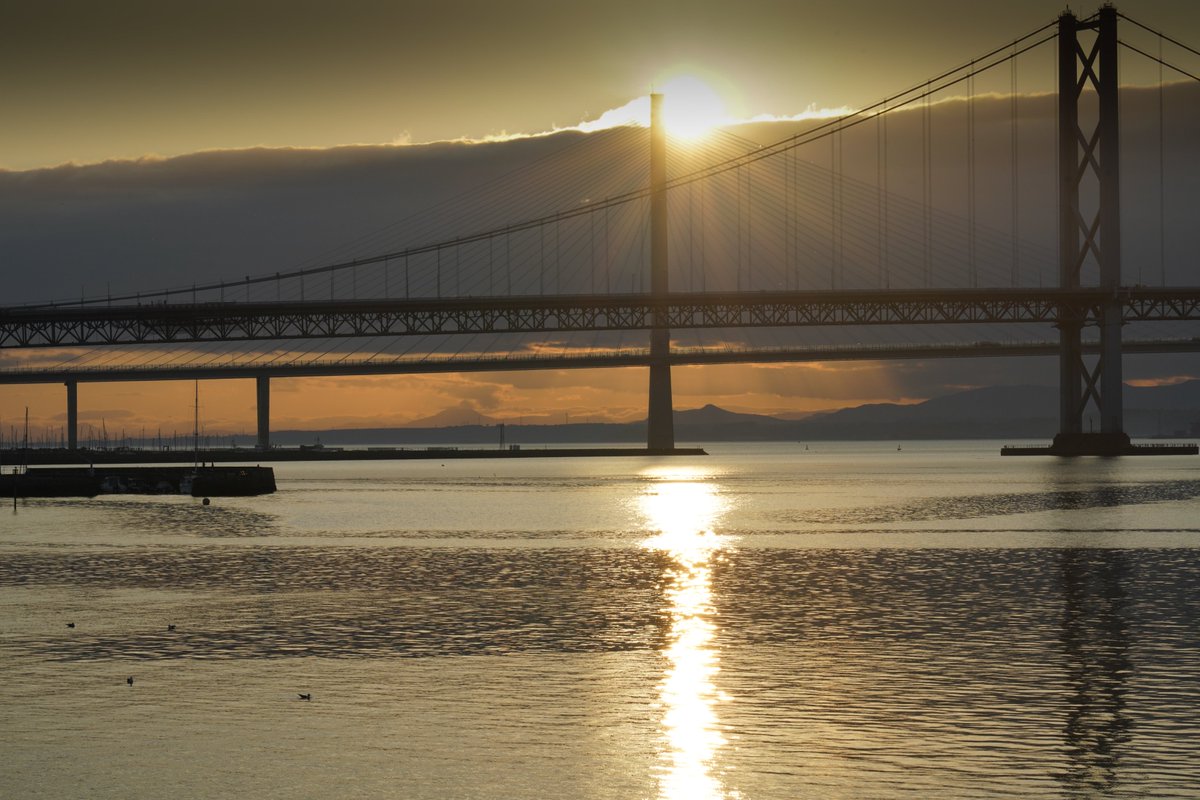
1070,364
1112,416
263,385
1092,157
660,422
660,426
72,415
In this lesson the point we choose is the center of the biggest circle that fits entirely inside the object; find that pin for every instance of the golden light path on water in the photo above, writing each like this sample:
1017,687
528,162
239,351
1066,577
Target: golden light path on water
682,508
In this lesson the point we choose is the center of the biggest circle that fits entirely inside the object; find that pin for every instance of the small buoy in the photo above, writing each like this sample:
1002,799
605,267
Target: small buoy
205,502
129,680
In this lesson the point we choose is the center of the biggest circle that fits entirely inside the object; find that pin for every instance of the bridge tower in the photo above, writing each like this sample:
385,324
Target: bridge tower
1089,231
660,423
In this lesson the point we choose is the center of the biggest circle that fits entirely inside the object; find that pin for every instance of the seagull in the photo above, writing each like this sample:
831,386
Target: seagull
129,680
302,697
170,627
70,624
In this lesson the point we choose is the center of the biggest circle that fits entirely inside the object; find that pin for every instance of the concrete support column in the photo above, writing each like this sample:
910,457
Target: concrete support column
660,422
72,415
263,385
1112,385
660,433
1070,389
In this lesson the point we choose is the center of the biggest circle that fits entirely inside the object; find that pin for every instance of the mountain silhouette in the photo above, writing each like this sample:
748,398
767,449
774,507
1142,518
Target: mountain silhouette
1005,412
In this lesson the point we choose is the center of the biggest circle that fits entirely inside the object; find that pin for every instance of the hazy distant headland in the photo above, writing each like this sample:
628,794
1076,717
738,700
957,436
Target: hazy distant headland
1006,412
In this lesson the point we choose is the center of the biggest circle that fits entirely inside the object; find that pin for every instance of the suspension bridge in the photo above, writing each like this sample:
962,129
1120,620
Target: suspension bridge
958,218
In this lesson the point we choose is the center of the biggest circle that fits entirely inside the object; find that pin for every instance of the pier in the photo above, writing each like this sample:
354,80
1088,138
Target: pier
206,481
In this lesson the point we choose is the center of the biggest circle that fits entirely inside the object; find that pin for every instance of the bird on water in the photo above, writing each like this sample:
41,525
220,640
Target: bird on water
306,696
170,627
70,624
129,680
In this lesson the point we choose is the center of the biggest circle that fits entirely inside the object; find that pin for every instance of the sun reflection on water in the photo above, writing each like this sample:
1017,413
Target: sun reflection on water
682,507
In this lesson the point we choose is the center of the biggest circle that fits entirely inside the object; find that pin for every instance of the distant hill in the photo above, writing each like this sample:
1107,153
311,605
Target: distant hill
711,423
452,417
992,412
995,412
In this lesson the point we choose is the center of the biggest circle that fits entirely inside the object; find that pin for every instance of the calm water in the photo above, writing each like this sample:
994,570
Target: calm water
768,622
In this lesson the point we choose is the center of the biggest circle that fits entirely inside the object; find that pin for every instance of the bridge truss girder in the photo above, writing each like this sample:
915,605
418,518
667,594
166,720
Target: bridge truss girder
632,357
1068,309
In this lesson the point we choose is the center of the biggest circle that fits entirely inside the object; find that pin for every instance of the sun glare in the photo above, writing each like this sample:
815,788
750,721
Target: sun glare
690,107
682,508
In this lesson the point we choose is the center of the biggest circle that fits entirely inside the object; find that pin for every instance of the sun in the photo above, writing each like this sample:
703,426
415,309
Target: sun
691,108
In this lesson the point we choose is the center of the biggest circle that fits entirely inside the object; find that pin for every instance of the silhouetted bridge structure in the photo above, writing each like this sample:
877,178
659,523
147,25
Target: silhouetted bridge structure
1089,291
164,325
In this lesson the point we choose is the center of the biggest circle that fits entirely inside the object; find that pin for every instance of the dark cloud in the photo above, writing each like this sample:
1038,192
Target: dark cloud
156,223
130,225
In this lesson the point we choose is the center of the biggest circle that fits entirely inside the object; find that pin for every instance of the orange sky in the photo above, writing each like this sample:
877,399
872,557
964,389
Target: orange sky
228,406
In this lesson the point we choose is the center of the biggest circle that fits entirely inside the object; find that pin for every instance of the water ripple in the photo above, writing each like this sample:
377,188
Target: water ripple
1001,504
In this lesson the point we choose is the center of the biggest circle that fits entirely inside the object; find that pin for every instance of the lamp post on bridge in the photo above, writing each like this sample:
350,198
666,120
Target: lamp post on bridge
660,422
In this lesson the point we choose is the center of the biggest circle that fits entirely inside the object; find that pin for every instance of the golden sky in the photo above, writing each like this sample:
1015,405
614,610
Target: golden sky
539,397
85,81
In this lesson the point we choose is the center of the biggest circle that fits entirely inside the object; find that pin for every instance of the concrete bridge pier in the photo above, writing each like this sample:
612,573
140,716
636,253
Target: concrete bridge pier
263,387
1112,375
660,423
72,415
1070,392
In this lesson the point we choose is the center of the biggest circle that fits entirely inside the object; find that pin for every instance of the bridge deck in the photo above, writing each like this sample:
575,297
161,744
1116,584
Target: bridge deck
224,322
